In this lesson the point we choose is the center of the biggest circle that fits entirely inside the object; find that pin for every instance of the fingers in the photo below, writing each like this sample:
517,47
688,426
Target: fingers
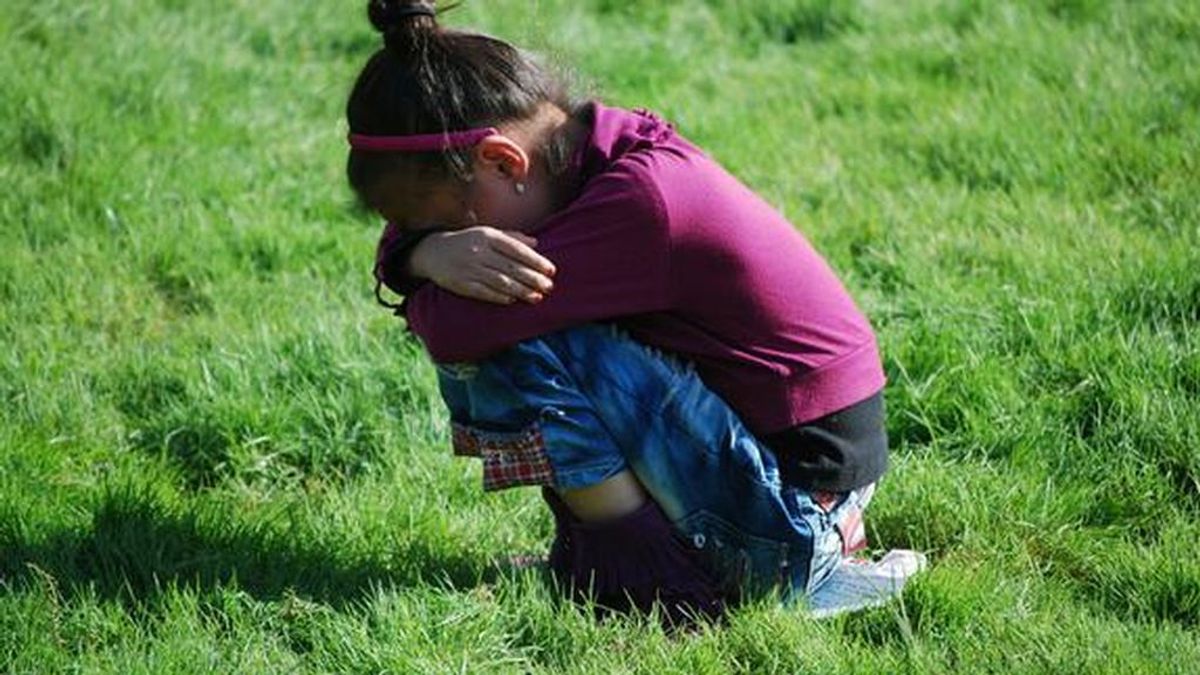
520,250
522,275
521,284
495,266
521,237
478,290
527,278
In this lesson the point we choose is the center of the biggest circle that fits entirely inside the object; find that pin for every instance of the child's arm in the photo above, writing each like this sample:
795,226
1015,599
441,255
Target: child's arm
482,263
611,248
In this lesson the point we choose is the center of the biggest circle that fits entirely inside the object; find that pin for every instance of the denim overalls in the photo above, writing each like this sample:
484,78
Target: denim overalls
573,408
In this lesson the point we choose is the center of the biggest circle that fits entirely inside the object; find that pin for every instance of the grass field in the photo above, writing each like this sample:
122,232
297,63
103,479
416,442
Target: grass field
217,454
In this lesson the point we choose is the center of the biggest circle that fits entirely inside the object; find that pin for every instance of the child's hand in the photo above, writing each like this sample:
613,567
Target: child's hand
484,263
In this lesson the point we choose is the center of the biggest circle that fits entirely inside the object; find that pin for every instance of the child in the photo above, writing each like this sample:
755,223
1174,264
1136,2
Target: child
730,445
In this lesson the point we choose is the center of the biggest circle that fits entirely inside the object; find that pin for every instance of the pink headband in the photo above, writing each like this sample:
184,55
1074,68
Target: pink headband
420,142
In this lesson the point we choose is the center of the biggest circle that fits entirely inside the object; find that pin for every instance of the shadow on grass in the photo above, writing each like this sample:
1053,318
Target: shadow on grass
138,548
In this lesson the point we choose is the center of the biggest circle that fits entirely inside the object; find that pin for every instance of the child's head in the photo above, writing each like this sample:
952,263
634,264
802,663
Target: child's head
429,80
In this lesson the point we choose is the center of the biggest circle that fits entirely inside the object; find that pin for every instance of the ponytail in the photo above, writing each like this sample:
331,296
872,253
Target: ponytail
403,24
430,80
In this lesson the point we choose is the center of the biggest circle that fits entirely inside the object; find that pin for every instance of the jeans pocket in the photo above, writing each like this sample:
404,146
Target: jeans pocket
741,563
510,458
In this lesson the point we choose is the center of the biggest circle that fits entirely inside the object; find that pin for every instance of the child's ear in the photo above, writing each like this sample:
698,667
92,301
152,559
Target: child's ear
501,154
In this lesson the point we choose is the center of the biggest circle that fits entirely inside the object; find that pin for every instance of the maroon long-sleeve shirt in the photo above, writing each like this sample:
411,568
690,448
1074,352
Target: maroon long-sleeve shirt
678,252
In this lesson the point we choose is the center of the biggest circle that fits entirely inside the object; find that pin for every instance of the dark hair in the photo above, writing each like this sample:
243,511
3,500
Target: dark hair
429,80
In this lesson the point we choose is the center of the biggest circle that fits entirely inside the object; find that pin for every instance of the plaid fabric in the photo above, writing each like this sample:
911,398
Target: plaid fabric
510,459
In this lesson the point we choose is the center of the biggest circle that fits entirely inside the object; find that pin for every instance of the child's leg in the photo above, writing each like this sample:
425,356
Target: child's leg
613,498
634,560
574,409
522,414
710,475
507,408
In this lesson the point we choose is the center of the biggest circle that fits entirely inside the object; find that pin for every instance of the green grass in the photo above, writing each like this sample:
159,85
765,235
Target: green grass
217,454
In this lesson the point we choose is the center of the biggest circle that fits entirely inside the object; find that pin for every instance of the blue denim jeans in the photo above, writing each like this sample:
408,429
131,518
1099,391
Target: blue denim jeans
571,409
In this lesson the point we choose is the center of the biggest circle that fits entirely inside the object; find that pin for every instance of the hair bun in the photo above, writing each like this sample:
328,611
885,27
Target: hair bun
388,15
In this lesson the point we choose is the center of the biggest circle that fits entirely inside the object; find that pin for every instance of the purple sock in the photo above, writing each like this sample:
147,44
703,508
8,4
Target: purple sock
631,562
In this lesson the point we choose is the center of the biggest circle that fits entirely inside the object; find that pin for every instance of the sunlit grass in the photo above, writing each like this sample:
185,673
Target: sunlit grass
216,453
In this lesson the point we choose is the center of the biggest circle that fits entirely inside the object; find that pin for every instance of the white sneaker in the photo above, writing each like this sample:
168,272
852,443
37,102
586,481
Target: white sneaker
859,584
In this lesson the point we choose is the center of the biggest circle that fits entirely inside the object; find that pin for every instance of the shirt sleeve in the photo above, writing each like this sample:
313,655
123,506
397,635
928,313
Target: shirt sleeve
611,249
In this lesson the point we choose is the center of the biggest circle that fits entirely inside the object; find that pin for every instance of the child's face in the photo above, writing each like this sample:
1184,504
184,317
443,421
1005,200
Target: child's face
492,197
422,207
481,202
